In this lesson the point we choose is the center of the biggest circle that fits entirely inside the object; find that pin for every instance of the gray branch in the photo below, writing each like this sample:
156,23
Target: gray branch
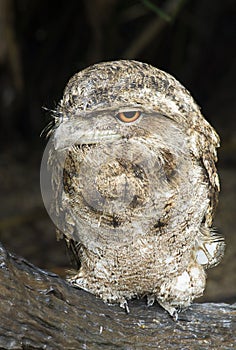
39,310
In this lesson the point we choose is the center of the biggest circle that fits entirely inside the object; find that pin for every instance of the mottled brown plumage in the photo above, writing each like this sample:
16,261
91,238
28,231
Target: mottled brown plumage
135,185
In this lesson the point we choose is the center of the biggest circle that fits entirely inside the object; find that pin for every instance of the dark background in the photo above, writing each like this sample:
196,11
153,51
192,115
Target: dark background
43,43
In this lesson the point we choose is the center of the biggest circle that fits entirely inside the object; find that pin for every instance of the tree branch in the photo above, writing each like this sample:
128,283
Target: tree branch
39,310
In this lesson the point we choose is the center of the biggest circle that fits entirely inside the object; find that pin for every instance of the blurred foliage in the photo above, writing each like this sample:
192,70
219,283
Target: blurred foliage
43,43
157,10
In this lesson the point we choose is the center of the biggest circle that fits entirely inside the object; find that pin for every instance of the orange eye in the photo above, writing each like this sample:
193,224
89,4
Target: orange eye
128,117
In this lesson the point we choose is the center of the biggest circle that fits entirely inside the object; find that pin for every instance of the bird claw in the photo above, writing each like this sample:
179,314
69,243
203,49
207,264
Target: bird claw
173,312
150,299
124,305
175,315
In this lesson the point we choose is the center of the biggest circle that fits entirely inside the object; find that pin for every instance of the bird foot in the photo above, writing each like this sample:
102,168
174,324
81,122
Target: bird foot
173,312
124,305
150,299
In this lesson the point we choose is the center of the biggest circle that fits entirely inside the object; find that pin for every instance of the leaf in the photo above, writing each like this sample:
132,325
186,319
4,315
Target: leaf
157,10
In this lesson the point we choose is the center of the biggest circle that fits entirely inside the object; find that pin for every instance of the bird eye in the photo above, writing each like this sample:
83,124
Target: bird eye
128,117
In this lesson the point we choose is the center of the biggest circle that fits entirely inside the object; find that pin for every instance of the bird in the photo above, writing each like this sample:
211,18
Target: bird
135,185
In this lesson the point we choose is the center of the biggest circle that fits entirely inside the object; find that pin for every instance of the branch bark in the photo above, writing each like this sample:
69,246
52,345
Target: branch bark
39,310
